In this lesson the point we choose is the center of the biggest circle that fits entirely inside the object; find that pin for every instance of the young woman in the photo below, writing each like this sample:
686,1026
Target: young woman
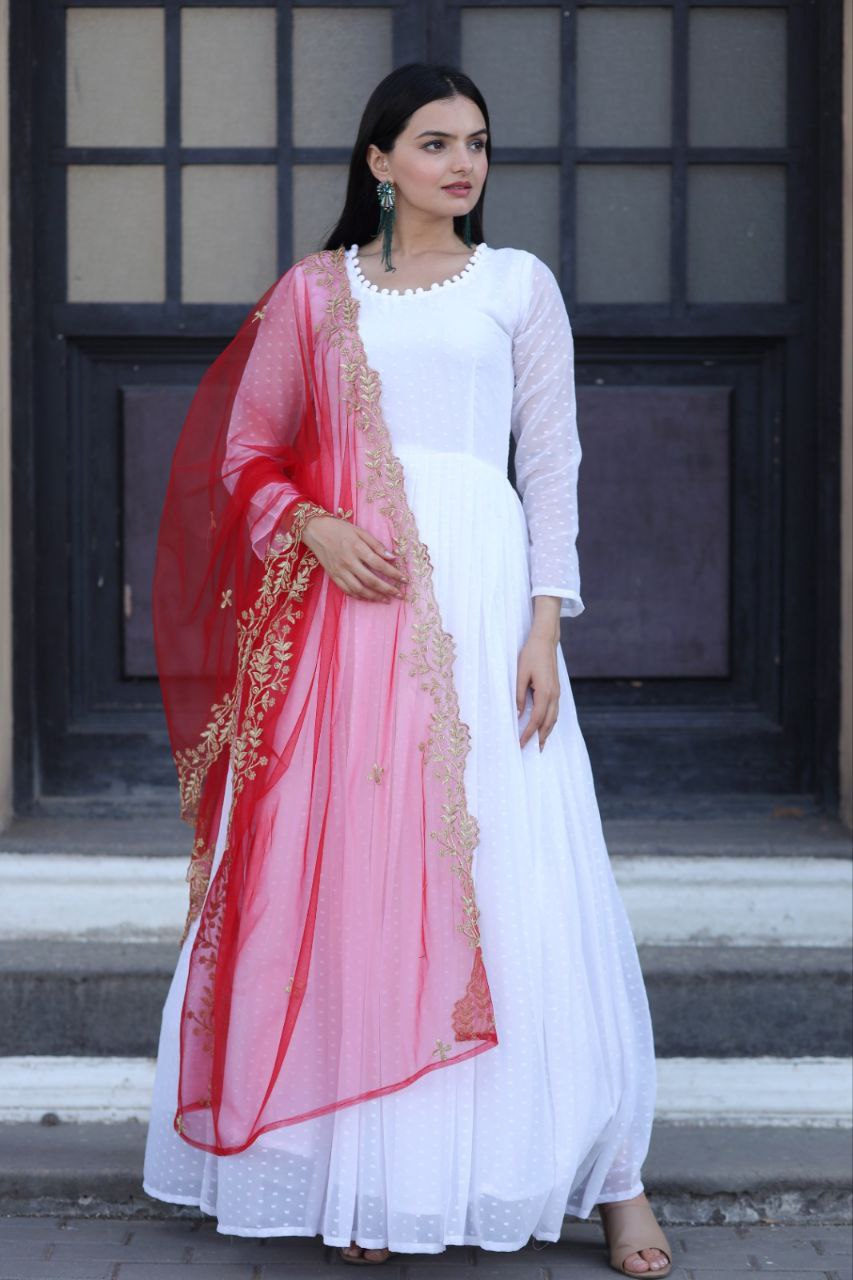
408,1010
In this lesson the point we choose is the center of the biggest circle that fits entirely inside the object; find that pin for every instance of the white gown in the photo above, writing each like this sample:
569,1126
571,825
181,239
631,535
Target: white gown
558,1115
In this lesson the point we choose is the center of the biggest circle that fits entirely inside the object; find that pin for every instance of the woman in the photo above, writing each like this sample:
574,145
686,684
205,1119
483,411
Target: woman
408,1010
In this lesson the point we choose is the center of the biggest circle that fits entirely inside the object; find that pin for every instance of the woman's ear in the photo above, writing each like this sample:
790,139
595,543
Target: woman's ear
377,162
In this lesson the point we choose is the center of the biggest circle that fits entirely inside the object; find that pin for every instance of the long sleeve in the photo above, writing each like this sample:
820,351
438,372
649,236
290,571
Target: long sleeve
548,451
267,410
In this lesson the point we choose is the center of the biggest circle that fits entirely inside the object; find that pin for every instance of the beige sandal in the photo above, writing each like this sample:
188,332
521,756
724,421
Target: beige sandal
359,1259
630,1228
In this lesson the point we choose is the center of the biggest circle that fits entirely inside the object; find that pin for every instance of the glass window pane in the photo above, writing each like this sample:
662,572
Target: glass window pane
229,215
114,78
513,56
623,233
338,55
737,77
319,191
736,233
522,210
624,80
116,233
228,77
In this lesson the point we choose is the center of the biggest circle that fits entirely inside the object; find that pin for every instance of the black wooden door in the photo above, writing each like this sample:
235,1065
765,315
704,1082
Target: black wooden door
673,162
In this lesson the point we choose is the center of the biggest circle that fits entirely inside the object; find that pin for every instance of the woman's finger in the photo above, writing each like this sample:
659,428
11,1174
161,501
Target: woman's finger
379,564
522,680
372,581
384,558
549,722
352,586
542,717
536,717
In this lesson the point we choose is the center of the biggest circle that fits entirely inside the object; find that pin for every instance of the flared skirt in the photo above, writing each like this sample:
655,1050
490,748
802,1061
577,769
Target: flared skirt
557,1116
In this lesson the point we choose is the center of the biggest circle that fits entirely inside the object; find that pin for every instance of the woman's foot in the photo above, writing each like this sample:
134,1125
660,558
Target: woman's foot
651,1261
355,1253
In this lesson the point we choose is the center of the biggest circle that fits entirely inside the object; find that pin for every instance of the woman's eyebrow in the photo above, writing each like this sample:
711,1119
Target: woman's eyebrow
439,134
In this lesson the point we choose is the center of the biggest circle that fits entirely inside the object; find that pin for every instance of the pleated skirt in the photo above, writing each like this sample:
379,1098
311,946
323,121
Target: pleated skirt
556,1117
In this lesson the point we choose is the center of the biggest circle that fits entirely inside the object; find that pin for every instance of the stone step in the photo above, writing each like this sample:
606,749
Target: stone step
697,826
694,1174
806,1092
106,998
671,900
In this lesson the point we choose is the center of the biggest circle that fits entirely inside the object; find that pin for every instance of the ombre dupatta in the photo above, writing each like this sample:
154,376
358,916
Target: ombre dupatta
337,953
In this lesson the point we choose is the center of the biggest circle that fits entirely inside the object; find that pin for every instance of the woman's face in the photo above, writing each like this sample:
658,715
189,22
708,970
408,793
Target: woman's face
444,143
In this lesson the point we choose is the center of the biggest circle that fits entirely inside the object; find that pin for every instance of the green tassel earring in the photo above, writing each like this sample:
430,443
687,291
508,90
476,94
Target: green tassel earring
466,230
385,192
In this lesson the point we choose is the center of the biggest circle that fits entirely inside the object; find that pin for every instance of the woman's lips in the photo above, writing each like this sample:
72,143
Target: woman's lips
459,189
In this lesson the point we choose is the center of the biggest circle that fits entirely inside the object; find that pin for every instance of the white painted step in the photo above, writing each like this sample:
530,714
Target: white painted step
672,901
811,1092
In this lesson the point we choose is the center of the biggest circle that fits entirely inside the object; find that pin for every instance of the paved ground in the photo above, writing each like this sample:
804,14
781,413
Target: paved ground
110,1249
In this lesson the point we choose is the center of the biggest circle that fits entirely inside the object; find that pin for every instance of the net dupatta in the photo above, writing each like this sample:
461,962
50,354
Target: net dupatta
337,951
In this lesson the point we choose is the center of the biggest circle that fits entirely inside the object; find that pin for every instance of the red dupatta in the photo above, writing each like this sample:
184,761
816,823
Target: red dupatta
337,955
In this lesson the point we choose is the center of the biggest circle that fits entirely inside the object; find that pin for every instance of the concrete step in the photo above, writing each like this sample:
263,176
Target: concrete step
805,1092
671,900
694,1174
106,998
698,826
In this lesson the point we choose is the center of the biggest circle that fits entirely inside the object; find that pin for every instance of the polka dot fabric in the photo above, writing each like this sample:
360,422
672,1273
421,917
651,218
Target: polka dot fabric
544,425
557,1116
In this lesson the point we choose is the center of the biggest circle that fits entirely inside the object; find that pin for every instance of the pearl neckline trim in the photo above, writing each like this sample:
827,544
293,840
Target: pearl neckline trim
437,285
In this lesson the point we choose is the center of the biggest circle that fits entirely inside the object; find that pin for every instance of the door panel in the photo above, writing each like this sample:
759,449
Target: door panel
185,154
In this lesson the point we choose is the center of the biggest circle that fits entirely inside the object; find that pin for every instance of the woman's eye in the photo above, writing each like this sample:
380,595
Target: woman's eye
436,142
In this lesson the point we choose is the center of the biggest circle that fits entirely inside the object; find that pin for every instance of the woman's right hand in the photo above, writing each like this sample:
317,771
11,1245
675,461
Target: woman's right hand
353,558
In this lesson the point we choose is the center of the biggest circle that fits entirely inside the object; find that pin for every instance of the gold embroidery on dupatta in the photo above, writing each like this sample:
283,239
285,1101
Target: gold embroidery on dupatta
193,763
263,671
431,657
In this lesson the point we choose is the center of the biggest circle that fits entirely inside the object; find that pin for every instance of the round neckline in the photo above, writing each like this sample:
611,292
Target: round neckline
421,291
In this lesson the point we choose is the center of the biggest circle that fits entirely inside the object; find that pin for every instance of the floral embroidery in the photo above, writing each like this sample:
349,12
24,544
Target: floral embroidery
193,762
198,877
263,670
475,1011
226,598
259,315
302,513
431,658
376,772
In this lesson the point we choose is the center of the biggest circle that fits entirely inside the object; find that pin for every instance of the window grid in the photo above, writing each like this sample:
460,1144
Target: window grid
431,30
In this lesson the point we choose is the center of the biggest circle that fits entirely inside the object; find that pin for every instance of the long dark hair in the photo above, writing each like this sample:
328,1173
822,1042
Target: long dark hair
384,118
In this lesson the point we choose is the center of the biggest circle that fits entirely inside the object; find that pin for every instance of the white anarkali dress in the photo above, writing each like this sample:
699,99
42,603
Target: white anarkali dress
557,1116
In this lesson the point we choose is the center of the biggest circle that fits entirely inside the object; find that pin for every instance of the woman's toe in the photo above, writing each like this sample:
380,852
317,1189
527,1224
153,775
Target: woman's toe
637,1263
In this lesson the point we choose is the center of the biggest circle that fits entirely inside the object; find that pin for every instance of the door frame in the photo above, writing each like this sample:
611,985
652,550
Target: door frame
35,580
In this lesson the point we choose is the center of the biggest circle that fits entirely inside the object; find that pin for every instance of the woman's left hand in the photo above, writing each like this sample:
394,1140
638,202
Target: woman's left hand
537,667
